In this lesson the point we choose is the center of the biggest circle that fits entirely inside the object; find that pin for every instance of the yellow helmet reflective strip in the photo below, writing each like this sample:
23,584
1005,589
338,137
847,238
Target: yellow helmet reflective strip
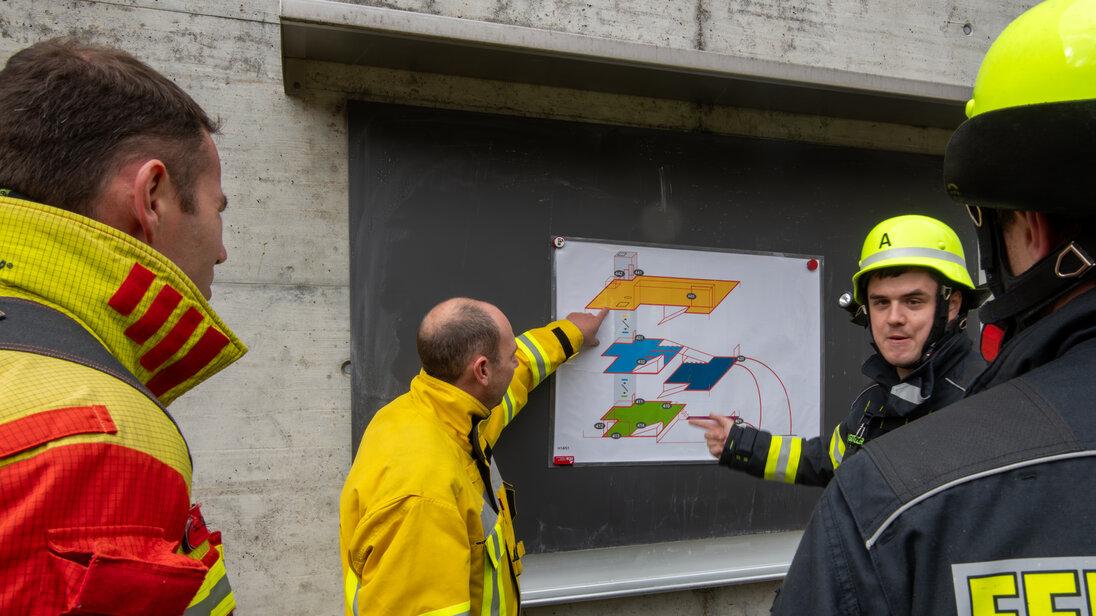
912,253
351,586
782,463
215,596
837,447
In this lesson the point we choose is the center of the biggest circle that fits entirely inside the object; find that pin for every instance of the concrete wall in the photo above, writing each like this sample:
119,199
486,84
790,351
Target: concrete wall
271,435
934,40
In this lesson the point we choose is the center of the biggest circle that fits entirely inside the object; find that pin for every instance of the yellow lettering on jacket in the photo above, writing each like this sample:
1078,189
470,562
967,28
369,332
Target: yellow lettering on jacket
1042,588
985,591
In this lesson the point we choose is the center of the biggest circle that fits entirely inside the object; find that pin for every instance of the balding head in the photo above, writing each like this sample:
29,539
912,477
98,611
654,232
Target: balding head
453,333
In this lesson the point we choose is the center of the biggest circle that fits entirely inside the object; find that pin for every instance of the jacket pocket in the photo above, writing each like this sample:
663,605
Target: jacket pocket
122,571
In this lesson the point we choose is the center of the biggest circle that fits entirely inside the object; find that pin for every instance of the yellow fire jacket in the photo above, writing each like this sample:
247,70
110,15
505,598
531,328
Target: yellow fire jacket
418,531
95,512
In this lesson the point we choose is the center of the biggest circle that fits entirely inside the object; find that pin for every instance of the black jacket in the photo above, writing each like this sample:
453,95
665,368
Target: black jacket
888,403
984,505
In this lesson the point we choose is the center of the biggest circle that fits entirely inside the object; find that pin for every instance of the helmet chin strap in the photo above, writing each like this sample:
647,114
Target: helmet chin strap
1018,301
941,328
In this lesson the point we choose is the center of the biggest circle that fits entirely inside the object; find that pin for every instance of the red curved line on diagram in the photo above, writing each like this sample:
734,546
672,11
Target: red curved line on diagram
760,410
786,397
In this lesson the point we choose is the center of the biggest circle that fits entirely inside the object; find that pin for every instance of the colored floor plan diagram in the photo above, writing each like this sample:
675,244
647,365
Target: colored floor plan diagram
672,347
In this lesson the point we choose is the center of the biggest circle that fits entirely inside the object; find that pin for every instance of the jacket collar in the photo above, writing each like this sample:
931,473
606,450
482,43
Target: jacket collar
1042,342
142,307
907,395
454,407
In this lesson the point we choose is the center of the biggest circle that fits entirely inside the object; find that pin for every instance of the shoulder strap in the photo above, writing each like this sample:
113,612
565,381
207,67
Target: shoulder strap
1005,425
31,327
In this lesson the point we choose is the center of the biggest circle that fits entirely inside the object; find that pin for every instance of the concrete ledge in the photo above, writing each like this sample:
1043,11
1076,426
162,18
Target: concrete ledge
332,31
585,575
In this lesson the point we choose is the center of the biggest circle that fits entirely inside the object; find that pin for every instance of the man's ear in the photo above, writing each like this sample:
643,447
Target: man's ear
1039,236
149,193
954,303
479,370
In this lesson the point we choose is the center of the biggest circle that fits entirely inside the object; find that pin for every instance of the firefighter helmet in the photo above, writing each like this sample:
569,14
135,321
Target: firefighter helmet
1028,145
1031,136
912,241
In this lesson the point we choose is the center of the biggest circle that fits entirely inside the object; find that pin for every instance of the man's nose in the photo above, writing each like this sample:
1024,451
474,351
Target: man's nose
895,314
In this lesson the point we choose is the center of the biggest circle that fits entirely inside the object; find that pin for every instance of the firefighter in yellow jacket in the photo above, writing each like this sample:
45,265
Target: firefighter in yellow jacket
110,226
425,520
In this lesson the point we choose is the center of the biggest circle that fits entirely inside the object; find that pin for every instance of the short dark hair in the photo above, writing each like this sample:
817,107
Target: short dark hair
73,113
446,347
941,281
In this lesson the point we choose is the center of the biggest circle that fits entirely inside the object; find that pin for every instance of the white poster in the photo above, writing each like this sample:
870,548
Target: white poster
689,333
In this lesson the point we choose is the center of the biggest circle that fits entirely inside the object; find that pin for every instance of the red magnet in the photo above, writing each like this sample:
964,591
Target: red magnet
812,264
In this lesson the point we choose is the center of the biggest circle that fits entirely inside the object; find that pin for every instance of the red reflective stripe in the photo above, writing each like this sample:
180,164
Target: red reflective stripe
173,341
40,428
131,292
210,344
156,315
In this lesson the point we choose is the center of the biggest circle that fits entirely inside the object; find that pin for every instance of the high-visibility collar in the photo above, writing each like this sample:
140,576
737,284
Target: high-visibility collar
140,305
454,407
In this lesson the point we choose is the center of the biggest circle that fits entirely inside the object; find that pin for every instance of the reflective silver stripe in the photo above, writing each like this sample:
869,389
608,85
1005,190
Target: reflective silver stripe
914,252
356,591
908,392
488,517
837,447
542,365
496,476
218,593
957,385
493,543
508,403
951,484
781,470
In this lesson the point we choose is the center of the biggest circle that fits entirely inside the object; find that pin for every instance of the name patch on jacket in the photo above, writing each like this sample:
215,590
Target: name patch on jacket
1026,586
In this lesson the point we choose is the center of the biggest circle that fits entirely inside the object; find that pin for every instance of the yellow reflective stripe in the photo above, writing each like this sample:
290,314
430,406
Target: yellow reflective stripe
782,461
773,456
794,456
351,586
544,355
534,359
837,447
215,596
460,609
498,606
490,578
508,404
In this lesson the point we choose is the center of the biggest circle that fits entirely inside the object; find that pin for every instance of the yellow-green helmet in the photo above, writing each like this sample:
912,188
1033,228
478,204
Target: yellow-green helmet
1031,137
1046,55
912,241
